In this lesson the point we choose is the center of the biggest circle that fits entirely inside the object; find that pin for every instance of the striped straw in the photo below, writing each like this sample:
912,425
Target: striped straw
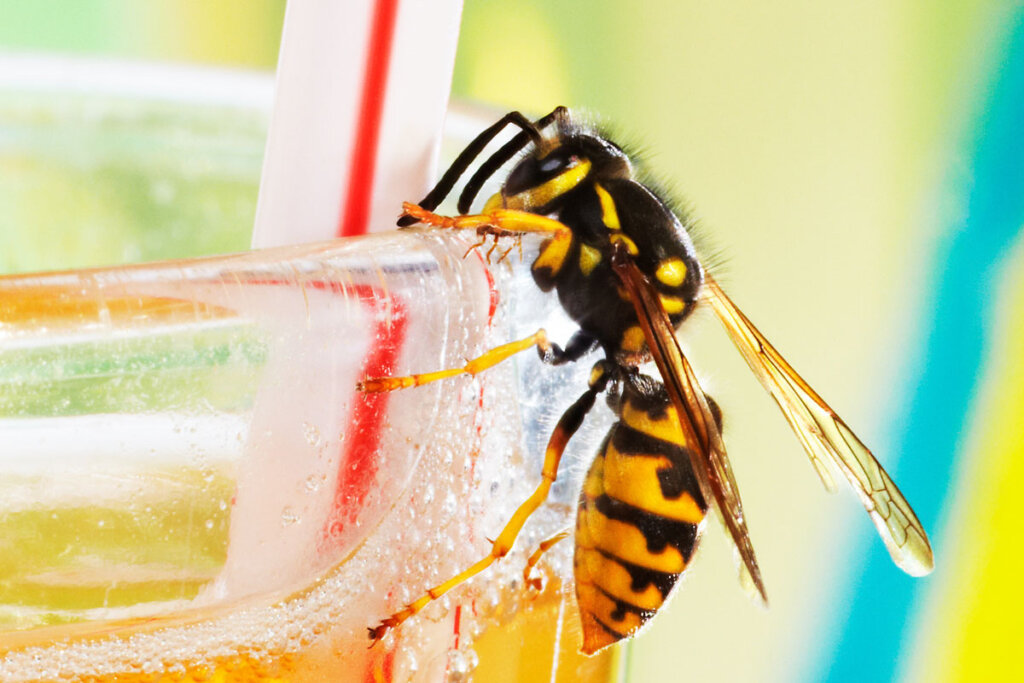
362,89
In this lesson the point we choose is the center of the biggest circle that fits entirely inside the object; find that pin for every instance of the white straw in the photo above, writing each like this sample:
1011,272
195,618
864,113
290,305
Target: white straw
320,105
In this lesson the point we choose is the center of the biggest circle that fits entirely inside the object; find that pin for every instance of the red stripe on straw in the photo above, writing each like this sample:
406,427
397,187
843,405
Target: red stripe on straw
356,210
357,471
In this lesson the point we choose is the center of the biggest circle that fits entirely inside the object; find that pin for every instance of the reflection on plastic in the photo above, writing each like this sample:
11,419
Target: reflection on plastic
191,487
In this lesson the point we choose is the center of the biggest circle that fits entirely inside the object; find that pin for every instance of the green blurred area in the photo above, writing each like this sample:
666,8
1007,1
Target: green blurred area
180,372
242,33
92,180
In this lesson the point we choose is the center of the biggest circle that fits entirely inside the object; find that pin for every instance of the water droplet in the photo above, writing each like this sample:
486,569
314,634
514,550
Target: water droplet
288,517
311,433
450,505
461,664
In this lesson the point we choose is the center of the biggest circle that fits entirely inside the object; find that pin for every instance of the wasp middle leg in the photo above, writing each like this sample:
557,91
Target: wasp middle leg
553,354
472,367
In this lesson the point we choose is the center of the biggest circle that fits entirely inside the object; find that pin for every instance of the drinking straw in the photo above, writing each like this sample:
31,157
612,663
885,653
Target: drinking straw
362,89
361,94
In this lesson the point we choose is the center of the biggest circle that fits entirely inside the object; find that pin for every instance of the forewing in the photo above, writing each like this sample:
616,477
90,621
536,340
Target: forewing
709,461
827,439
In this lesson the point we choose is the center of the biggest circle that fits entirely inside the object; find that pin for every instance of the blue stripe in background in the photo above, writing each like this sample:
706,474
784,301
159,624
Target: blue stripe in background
882,601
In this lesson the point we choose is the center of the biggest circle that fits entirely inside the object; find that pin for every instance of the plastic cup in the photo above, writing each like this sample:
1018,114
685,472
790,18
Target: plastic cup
191,488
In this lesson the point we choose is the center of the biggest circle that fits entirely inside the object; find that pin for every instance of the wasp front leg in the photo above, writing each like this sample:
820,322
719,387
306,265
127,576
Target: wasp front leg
497,222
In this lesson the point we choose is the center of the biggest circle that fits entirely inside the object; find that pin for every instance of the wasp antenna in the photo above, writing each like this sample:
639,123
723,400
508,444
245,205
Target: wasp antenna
468,155
531,133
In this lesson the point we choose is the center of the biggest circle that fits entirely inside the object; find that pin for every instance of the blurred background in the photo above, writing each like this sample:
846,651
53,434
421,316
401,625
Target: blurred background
856,170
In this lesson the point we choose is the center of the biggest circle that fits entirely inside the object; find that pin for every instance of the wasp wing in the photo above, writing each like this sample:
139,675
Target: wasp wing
827,439
709,461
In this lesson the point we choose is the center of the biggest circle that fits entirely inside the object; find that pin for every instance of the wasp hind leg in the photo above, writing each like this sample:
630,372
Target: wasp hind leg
529,579
567,425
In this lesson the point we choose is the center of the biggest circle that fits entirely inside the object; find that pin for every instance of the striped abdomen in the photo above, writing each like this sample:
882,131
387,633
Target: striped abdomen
639,518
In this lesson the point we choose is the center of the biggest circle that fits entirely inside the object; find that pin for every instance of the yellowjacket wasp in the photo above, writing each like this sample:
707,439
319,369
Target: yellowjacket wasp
626,271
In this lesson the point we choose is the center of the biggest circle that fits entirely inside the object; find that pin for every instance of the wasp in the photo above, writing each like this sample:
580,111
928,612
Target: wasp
627,273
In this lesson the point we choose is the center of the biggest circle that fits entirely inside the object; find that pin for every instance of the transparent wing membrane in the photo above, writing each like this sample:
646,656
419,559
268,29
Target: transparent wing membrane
828,440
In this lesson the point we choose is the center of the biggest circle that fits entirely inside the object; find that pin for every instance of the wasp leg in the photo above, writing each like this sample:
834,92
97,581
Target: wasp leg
482,242
491,250
472,367
497,222
567,425
580,344
530,133
534,582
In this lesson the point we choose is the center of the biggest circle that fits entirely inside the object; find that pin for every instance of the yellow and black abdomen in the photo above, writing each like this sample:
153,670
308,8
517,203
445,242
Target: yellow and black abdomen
639,519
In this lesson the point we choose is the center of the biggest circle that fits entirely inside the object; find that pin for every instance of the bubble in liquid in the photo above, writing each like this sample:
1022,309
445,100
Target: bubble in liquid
461,664
288,517
311,432
450,505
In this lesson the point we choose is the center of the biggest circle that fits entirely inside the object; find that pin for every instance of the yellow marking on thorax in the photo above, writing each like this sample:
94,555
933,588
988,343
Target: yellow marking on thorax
633,479
624,540
536,197
633,339
609,215
605,572
665,428
589,258
630,244
672,304
671,272
553,253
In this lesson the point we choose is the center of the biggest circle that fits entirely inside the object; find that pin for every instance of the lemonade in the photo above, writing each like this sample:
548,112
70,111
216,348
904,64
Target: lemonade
202,494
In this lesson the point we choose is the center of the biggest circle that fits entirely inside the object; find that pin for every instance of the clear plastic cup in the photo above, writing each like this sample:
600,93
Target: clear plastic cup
190,482
191,488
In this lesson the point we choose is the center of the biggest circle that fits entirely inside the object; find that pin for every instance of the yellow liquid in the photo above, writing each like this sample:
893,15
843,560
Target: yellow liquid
541,635
319,632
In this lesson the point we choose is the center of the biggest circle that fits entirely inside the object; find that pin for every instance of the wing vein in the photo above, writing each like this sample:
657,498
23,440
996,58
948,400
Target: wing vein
827,439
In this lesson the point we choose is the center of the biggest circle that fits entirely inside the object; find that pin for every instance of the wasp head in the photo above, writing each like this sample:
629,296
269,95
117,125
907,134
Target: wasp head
559,165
